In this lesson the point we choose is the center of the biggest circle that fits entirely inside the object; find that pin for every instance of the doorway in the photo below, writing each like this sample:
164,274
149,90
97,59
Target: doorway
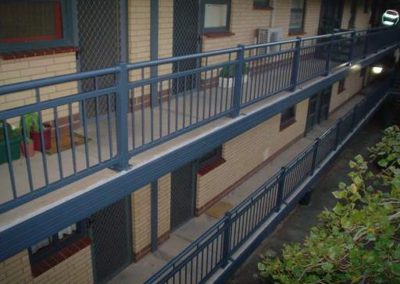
186,40
110,230
318,109
99,47
183,184
331,16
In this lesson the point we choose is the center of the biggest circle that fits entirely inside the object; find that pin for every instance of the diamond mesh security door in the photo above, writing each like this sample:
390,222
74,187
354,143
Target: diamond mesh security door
325,104
182,195
318,108
312,117
186,40
99,45
331,16
110,230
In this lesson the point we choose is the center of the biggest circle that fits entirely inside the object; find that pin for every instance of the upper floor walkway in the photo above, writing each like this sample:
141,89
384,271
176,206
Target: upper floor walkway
144,126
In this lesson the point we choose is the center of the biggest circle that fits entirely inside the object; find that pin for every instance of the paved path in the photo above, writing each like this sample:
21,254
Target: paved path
297,225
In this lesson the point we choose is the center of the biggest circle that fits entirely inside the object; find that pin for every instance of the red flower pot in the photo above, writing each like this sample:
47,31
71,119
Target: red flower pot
35,136
29,151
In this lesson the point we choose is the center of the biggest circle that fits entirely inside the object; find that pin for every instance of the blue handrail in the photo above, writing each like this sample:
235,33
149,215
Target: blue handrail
102,118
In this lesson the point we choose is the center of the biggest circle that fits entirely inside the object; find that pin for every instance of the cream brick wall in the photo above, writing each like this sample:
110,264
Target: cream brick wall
362,19
75,269
139,37
311,17
139,30
244,22
353,85
38,67
141,213
247,151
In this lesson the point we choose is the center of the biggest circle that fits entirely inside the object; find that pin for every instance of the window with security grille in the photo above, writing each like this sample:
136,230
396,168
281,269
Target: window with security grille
261,4
56,242
296,24
288,117
216,15
342,86
34,24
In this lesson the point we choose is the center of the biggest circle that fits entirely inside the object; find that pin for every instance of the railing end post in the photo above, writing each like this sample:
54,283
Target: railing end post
337,138
237,91
122,102
315,155
226,248
295,64
281,186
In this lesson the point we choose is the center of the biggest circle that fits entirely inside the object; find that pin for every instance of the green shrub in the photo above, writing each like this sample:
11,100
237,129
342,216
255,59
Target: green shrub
358,240
229,71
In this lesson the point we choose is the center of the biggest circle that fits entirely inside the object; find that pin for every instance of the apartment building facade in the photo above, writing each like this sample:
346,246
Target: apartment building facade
59,221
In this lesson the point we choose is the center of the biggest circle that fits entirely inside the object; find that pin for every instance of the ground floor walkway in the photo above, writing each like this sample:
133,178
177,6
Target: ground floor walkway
182,237
299,223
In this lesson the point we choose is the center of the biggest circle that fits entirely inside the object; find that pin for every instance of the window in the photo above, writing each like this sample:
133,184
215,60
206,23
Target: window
288,117
296,24
342,86
34,24
216,15
261,4
210,161
56,242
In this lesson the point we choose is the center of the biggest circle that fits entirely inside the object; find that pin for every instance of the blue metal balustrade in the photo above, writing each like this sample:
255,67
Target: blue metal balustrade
216,248
128,121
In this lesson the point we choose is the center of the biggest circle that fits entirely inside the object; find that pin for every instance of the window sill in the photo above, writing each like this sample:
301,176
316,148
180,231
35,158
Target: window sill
208,168
287,124
341,91
263,8
37,52
297,33
217,34
58,257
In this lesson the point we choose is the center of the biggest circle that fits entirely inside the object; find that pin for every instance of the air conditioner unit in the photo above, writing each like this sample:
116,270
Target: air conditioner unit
267,35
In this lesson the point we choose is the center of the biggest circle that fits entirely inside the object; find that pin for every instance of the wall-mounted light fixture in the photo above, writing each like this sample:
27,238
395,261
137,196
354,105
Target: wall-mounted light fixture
377,69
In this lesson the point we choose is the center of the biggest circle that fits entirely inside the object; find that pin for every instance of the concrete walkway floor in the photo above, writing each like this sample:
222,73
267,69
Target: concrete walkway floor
182,237
299,223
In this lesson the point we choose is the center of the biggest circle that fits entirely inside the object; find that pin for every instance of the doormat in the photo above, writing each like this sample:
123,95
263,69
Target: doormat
219,209
65,143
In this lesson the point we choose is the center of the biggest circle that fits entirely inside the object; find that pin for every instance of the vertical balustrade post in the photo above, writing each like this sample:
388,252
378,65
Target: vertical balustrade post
366,43
315,155
226,247
295,65
352,46
122,102
281,186
354,118
329,55
337,138
237,91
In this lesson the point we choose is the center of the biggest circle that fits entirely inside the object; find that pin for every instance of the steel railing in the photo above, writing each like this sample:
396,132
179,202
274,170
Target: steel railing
240,224
102,118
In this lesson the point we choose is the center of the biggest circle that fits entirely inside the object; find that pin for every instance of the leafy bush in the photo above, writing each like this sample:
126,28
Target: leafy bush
229,71
358,240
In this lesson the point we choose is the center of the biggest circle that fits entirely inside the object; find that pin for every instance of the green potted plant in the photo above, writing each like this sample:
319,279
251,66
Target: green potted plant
14,137
228,73
33,125
27,148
